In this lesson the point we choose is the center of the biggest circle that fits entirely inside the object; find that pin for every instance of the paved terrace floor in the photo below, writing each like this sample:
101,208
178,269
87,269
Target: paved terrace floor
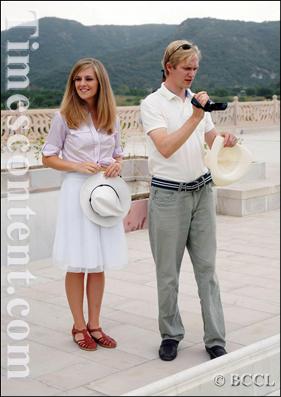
248,269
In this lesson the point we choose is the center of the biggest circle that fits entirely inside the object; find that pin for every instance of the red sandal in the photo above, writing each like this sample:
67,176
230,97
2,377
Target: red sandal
104,340
87,343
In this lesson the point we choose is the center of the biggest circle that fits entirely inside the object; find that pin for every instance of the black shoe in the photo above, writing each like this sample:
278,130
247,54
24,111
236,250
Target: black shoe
216,351
168,349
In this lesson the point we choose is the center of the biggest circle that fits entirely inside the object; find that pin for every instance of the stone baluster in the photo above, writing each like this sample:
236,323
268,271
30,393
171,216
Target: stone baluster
276,109
235,105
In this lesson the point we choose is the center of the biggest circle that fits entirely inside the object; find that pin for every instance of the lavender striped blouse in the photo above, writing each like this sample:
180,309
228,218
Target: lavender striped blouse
83,144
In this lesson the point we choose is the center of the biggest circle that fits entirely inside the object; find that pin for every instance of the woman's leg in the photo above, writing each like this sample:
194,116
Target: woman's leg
74,287
95,289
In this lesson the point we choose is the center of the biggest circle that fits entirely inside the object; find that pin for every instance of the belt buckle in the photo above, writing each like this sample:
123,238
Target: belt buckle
198,182
181,187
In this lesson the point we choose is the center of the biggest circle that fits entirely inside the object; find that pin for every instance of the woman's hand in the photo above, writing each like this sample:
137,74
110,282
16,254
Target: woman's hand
113,169
88,168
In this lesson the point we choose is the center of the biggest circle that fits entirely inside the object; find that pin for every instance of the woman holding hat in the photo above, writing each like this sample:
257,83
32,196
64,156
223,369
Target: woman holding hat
83,141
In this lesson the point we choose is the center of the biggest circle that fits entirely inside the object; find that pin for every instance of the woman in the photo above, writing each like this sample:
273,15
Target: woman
84,139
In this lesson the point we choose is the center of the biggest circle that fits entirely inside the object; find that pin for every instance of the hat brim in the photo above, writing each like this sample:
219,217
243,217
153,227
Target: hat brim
227,164
122,190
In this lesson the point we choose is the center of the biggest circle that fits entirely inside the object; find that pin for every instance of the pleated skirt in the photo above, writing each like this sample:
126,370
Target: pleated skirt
81,245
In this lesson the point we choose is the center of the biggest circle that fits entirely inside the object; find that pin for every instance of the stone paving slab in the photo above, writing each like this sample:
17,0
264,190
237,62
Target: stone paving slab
248,269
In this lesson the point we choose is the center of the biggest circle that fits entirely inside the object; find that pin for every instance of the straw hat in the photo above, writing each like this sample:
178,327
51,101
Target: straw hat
105,200
227,164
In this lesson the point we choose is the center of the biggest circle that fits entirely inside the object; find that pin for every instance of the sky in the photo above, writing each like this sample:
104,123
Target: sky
137,12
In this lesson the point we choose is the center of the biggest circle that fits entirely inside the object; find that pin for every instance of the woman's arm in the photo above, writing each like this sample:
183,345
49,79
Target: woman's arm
65,165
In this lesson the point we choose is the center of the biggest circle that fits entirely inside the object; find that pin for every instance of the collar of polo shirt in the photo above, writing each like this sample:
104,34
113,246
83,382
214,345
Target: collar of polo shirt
170,95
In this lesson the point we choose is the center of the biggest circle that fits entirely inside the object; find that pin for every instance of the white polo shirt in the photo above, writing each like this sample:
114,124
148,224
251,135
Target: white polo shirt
164,109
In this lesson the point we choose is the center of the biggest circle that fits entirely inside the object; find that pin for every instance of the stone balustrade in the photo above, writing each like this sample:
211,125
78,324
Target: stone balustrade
241,114
237,114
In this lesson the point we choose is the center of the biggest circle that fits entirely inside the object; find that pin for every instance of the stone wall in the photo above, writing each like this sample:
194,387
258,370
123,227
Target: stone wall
37,199
237,114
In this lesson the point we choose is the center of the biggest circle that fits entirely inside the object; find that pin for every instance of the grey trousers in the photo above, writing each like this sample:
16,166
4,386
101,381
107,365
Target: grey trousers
178,220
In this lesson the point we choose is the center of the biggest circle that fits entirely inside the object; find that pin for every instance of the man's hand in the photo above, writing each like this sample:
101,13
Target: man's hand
202,97
229,139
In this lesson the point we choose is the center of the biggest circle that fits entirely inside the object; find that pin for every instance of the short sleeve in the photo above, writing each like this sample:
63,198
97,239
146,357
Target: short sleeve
209,125
56,137
151,117
118,152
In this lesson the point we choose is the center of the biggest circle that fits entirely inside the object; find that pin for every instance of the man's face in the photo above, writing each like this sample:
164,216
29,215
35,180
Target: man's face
185,72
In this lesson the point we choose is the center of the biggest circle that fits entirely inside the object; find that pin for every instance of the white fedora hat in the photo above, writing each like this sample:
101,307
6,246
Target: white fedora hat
105,200
227,164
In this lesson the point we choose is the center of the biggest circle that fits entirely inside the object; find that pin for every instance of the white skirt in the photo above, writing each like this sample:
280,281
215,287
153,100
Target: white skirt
80,245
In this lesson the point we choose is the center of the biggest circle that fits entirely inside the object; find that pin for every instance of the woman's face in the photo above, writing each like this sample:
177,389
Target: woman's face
86,84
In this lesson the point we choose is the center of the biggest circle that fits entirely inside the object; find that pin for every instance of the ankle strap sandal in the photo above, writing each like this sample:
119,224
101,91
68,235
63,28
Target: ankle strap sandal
87,342
104,340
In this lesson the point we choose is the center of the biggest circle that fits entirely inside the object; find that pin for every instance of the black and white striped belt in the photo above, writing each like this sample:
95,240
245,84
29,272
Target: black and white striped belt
182,186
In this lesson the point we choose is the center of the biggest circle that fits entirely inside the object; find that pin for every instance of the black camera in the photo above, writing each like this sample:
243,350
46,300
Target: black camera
210,105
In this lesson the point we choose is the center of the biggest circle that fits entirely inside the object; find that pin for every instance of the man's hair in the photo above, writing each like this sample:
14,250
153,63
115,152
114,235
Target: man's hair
73,107
174,53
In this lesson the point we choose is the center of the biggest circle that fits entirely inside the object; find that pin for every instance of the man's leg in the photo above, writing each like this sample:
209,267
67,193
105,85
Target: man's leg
201,245
168,228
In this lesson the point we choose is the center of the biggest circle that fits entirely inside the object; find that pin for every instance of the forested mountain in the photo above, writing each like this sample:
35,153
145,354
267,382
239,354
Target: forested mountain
234,53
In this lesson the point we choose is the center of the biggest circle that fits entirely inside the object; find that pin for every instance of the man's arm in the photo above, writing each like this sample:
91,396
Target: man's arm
168,144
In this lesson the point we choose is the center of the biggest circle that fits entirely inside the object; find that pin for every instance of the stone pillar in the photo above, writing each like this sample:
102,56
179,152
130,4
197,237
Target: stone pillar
235,110
275,109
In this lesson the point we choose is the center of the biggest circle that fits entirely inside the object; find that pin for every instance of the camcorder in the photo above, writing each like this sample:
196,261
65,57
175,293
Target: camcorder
210,105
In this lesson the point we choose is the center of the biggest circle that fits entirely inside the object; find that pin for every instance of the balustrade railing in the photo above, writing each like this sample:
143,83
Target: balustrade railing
35,123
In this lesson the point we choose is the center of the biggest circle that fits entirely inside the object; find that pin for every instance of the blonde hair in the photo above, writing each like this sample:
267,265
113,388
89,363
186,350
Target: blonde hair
73,107
174,53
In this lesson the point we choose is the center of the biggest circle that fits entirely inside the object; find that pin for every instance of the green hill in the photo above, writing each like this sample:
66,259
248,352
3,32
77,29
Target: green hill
235,54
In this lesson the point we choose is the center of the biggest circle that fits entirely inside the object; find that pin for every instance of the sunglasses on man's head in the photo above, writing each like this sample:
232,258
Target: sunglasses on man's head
183,46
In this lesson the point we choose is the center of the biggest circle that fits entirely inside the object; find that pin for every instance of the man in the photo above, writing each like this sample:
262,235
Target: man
181,208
